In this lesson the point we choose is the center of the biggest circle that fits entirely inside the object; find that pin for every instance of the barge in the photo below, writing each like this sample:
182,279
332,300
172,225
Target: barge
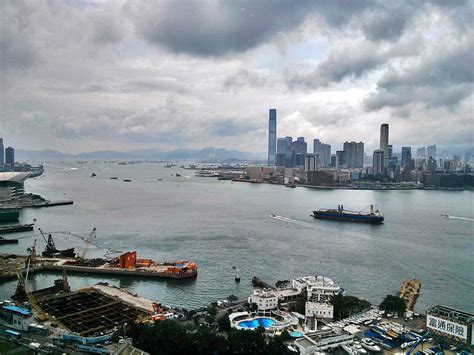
374,216
127,264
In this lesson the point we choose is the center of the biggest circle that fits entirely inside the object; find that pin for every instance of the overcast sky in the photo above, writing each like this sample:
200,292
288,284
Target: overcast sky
80,76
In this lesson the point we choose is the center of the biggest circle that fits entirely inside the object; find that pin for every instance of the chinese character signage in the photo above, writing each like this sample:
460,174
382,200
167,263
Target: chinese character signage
446,327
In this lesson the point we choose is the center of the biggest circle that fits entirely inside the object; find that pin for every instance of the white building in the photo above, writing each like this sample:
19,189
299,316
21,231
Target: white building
322,342
318,291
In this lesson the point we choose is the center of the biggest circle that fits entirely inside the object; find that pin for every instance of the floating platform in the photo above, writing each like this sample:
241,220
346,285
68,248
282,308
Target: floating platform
16,228
51,204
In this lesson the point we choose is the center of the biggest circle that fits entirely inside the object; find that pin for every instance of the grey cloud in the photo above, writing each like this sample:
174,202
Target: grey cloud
232,127
340,64
443,80
216,28
245,78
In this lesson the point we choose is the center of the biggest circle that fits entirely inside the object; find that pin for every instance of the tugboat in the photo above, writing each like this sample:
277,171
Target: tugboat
374,216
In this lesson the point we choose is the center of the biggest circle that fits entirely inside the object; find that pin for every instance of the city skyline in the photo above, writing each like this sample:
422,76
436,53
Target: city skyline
130,81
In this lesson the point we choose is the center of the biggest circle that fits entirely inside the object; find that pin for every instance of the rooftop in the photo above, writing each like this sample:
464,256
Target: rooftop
14,176
22,311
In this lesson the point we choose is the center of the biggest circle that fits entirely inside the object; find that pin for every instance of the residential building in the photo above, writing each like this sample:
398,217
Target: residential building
355,154
421,153
378,162
324,151
10,157
384,143
406,156
431,151
341,159
2,152
272,136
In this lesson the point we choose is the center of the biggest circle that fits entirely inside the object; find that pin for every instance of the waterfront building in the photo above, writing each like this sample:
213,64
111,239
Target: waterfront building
355,154
431,151
272,134
384,143
280,159
341,159
406,156
432,165
10,157
450,325
421,152
12,185
315,290
319,291
378,162
2,152
312,162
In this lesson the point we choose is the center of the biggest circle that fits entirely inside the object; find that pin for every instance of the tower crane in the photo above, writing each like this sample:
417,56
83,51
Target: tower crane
87,243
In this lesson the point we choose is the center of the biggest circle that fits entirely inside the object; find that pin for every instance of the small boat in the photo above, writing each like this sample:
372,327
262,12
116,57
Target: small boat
291,185
93,175
178,175
127,180
113,178
8,241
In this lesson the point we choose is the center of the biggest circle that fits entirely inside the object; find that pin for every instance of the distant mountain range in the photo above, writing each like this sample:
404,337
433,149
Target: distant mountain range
210,154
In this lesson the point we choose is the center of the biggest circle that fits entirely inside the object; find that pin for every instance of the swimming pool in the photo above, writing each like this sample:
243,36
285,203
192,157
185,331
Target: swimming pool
296,334
256,322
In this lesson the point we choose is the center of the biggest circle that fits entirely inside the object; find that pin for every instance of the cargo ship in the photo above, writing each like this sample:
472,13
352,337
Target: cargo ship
340,214
9,215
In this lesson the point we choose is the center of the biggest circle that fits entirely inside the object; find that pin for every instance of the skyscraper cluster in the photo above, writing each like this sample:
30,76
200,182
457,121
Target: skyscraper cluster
7,156
385,163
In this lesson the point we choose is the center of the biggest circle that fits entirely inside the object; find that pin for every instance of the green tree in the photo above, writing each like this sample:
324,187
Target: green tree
393,304
345,306
224,323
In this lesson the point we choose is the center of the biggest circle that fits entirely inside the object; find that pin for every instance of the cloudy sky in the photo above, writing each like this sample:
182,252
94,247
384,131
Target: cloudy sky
79,76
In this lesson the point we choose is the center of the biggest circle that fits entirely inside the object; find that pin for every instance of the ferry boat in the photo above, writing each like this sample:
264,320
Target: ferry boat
9,214
374,216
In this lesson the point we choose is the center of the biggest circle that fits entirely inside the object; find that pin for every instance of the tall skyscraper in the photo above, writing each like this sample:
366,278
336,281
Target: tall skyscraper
431,151
384,142
10,157
355,154
2,152
406,156
272,136
421,152
378,162
282,146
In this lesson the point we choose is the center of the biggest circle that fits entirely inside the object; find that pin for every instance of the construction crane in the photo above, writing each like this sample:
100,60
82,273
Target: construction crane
22,290
87,243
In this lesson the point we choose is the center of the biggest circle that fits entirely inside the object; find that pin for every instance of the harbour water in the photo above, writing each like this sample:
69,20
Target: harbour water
221,224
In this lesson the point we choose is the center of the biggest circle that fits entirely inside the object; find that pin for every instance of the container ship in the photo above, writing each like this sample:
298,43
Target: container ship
340,214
